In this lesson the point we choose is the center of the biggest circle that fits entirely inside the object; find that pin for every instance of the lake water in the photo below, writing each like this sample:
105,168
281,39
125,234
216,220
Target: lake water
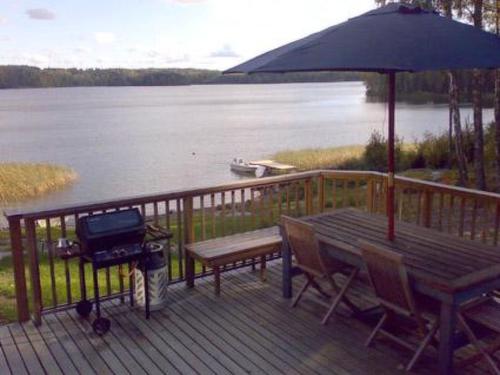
136,140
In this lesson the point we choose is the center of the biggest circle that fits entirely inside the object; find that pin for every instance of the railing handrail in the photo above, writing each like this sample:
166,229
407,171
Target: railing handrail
250,183
159,197
458,190
305,193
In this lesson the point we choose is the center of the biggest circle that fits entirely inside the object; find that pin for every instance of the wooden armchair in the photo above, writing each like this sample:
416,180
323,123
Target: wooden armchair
483,313
389,278
316,265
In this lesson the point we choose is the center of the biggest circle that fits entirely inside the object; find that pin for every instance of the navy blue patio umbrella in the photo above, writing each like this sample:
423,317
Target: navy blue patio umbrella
394,38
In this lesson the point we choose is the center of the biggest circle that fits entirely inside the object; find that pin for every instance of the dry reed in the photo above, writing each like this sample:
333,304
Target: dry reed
19,181
318,158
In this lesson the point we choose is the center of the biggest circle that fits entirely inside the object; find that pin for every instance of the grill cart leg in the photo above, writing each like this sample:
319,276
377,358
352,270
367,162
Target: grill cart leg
120,280
84,307
146,290
131,284
96,293
100,325
83,287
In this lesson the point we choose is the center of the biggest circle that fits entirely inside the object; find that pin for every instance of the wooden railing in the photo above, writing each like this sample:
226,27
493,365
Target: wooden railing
200,214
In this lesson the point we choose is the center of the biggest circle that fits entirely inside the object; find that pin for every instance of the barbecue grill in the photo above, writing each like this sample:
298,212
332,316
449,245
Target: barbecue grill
110,239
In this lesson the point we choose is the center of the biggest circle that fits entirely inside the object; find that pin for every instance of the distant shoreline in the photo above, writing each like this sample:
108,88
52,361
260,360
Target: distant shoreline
20,76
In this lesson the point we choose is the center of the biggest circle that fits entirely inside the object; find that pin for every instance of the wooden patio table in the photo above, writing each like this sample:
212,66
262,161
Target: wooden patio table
447,268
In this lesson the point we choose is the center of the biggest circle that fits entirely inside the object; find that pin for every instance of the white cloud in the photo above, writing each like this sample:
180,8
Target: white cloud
36,59
104,37
225,51
179,59
204,33
153,53
81,50
186,2
42,14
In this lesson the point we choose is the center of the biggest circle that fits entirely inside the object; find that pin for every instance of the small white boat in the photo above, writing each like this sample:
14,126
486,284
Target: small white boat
238,165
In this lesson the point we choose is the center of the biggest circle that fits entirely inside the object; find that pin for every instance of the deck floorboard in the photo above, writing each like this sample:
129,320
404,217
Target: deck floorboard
249,329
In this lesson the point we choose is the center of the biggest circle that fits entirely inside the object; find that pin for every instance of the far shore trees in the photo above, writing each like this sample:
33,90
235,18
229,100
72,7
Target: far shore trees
484,14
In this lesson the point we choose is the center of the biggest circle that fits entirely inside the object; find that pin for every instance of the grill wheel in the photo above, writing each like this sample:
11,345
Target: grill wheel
101,326
84,308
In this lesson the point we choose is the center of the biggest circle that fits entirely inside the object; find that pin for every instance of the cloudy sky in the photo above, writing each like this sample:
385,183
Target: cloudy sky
158,33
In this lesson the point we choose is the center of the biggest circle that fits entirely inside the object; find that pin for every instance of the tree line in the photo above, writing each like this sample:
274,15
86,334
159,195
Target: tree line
429,86
485,15
18,76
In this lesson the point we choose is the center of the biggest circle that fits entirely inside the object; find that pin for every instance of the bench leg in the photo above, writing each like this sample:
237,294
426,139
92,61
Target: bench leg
263,268
217,280
189,270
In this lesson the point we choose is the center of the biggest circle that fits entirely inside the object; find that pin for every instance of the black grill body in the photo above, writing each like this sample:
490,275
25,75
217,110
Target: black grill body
109,239
107,231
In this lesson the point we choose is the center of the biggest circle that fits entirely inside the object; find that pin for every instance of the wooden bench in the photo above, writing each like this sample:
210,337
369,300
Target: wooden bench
219,252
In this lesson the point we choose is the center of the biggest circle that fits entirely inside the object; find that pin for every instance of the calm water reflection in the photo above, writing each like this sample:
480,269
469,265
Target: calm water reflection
135,140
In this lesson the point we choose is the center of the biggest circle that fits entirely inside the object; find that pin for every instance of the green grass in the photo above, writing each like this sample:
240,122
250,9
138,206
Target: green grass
319,158
7,291
232,224
19,181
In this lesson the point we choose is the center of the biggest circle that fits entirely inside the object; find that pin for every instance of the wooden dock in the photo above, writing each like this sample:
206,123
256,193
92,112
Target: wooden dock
249,329
274,167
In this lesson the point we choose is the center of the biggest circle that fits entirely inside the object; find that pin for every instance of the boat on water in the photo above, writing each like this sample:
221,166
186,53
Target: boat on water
239,165
260,168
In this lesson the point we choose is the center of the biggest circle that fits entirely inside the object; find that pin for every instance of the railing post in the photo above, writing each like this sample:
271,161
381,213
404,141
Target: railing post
308,196
188,226
188,234
321,193
16,243
427,209
36,292
370,195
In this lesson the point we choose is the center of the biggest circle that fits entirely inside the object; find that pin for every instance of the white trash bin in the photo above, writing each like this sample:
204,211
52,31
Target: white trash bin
158,279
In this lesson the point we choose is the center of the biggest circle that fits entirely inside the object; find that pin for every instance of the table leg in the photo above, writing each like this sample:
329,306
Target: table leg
286,256
446,337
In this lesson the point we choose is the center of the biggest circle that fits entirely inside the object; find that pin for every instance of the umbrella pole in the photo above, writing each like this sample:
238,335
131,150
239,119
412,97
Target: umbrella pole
390,155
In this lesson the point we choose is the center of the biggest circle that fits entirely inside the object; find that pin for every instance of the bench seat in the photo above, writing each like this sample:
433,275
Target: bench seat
221,251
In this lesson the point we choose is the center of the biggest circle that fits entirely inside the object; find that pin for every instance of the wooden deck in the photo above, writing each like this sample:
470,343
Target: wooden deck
248,329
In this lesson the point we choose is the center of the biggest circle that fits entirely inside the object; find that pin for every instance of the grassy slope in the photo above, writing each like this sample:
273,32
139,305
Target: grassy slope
26,180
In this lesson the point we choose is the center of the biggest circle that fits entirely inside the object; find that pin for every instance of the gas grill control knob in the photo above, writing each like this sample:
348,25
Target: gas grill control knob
122,252
115,253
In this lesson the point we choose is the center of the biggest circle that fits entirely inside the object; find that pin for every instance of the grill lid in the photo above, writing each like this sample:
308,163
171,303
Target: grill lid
104,231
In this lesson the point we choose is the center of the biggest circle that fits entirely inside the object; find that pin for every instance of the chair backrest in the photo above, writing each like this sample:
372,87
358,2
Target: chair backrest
302,240
389,278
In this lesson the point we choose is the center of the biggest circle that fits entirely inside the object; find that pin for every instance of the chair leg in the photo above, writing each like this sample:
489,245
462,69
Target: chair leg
475,342
355,309
425,342
316,286
301,292
376,329
340,296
